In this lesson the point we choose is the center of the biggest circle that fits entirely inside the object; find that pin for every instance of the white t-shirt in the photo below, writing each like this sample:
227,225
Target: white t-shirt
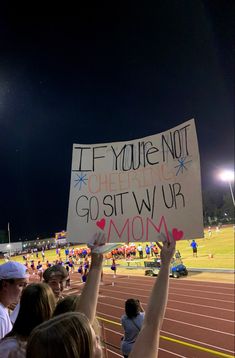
5,322
131,328
14,313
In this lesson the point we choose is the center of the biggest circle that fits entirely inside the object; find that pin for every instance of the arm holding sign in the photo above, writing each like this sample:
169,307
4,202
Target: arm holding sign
147,342
89,296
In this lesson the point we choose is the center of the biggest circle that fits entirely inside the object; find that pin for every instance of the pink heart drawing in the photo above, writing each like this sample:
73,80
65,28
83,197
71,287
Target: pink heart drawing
101,224
177,234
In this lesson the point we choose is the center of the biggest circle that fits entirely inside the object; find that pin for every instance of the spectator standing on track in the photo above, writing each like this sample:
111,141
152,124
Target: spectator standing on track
13,278
131,323
194,247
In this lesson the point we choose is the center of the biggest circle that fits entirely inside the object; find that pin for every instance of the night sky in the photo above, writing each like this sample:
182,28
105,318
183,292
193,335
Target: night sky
107,74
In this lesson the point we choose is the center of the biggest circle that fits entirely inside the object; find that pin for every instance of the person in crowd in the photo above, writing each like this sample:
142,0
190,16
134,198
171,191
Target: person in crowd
80,270
55,276
194,248
67,304
131,322
13,278
33,267
43,256
67,282
86,265
71,304
140,251
71,265
209,232
39,270
114,268
147,341
48,264
71,335
36,306
84,276
177,255
147,250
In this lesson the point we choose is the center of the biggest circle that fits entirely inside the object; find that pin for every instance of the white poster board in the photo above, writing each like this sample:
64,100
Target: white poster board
137,190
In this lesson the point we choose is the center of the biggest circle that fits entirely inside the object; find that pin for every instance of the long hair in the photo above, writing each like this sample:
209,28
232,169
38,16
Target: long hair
132,307
67,304
36,306
66,335
70,304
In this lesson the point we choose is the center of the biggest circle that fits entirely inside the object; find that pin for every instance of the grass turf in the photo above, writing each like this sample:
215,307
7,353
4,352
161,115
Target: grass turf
219,245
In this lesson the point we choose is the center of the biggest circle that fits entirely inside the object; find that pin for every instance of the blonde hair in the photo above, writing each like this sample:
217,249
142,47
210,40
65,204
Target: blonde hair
37,304
66,335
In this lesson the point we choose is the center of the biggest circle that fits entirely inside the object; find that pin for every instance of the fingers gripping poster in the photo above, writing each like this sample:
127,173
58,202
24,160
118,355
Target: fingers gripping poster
141,190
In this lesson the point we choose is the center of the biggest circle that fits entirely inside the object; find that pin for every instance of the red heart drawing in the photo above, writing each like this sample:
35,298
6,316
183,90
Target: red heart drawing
101,224
177,234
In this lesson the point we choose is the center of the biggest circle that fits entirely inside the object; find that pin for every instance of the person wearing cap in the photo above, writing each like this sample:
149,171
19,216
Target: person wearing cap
13,278
55,276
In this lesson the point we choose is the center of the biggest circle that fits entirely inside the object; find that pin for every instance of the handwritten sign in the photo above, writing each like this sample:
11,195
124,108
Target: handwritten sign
137,190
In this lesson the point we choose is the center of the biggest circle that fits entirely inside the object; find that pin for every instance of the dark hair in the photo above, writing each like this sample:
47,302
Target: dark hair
132,307
67,304
56,270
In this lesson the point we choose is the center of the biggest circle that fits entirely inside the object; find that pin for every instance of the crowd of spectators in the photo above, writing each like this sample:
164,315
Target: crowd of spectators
44,323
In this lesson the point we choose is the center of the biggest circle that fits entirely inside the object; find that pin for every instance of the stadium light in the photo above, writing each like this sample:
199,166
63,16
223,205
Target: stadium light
228,176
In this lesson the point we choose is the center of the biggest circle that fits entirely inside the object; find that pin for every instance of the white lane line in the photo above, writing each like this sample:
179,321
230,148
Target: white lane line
181,283
181,302
172,291
183,338
195,297
176,283
200,327
173,309
197,342
117,354
180,322
172,353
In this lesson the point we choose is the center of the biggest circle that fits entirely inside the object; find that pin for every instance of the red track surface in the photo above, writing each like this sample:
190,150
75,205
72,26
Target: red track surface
199,313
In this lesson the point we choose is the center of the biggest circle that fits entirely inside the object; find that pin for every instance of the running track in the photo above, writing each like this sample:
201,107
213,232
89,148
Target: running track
199,315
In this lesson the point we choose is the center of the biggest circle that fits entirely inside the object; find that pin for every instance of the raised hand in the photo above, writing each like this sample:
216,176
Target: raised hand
97,241
167,249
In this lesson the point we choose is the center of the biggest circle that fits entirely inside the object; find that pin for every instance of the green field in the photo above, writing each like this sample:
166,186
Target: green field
219,245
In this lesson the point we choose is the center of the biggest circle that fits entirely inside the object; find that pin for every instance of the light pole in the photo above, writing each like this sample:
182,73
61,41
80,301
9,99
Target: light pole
9,239
228,176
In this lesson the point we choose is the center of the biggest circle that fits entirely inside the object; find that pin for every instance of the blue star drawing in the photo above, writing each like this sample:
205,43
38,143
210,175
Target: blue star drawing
81,179
181,165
